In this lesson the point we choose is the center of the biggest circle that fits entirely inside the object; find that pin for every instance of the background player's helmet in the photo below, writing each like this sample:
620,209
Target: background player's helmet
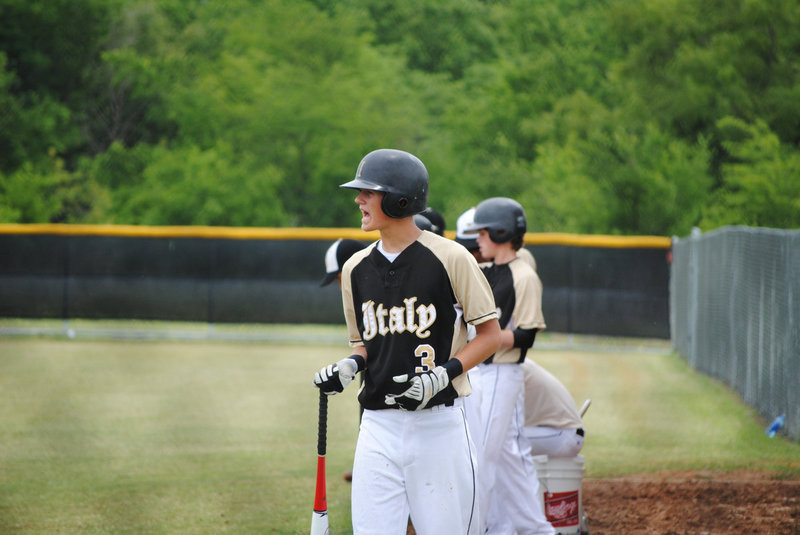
504,218
400,175
467,239
436,219
422,222
335,257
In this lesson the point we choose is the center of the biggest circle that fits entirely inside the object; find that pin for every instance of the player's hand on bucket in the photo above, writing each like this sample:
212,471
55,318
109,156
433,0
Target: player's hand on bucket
333,378
421,390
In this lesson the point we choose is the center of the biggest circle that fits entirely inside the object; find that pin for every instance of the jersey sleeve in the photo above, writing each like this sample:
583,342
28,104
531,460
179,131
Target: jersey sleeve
351,315
528,289
472,290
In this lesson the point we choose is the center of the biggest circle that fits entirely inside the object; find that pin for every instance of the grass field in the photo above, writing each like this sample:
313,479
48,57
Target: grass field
211,436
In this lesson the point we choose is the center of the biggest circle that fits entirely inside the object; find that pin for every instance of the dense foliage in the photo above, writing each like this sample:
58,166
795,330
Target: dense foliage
599,117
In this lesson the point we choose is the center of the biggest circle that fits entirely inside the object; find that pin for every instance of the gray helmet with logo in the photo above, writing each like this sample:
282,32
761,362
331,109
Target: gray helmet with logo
400,175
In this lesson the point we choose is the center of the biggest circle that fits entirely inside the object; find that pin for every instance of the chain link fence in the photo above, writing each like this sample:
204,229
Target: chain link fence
735,314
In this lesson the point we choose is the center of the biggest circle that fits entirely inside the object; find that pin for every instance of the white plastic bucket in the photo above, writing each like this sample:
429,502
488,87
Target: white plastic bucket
560,491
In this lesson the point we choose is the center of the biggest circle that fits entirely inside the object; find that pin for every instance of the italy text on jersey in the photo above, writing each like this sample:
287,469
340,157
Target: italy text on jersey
380,320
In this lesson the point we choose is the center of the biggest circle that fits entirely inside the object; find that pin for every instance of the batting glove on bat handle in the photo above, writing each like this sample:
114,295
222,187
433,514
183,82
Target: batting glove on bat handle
425,386
333,378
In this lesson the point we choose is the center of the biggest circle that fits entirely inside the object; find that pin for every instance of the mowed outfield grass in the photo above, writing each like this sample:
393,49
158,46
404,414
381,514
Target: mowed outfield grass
217,437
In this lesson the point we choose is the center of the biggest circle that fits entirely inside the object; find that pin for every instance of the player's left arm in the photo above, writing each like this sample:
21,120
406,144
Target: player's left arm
333,378
486,342
477,301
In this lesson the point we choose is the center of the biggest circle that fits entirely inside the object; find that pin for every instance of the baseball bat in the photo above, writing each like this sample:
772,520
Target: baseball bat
585,407
319,517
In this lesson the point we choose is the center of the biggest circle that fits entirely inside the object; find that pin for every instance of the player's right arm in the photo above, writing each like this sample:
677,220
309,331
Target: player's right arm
333,378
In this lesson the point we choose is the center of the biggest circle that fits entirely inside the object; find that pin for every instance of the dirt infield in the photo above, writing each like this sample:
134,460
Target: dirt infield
693,503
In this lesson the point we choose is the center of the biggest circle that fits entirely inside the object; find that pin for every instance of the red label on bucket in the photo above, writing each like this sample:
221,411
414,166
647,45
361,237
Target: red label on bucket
562,508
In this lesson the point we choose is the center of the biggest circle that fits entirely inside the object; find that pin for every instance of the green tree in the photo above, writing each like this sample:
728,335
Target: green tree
290,110
603,117
31,195
127,92
760,183
51,48
192,186
31,124
447,36
689,63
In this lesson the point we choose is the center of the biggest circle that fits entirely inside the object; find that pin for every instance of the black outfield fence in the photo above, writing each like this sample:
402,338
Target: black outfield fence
598,289
592,284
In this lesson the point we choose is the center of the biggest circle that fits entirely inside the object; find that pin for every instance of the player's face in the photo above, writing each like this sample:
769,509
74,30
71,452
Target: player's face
488,248
372,216
478,256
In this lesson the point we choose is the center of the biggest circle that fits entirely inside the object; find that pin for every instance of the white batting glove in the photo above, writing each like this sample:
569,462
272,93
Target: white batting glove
333,378
423,388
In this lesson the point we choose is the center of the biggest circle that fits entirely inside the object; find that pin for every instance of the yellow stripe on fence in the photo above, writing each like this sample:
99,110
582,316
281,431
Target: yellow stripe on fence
308,233
237,233
597,240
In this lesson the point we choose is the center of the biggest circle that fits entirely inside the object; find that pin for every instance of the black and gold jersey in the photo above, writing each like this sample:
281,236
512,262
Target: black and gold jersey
517,291
411,313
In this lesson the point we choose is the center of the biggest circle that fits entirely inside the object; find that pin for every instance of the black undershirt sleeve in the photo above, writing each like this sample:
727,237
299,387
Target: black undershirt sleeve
523,338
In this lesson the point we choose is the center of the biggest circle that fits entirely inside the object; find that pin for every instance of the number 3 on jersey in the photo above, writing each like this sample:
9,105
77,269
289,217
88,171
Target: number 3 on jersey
427,356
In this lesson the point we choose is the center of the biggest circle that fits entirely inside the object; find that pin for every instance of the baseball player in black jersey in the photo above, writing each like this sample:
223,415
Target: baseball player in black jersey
508,477
407,300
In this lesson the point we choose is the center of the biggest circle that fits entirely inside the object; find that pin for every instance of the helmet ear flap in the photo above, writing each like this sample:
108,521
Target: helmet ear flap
497,235
522,225
395,205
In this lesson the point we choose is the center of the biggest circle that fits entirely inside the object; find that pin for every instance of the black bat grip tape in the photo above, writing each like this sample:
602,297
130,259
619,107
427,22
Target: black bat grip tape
323,423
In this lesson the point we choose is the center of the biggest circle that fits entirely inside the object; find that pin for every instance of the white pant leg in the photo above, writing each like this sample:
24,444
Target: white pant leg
498,520
441,474
378,497
421,463
515,500
501,385
472,409
552,441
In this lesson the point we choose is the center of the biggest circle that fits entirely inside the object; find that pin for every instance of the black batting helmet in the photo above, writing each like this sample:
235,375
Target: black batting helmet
400,175
422,222
436,219
504,218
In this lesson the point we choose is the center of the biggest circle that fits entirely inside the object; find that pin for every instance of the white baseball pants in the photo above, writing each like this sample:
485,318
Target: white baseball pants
508,474
420,463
